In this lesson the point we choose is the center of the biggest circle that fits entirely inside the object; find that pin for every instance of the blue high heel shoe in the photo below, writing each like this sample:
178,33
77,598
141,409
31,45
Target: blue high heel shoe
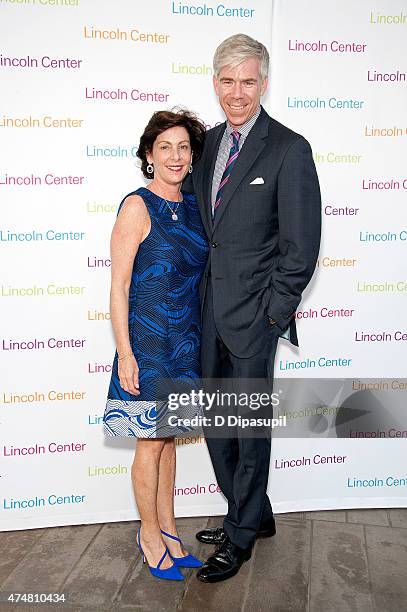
169,573
188,560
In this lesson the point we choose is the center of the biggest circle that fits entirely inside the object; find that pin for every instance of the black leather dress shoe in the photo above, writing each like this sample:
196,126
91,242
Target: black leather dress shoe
216,535
224,563
212,535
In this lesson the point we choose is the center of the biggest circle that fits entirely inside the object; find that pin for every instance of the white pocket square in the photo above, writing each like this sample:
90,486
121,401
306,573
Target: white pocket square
258,181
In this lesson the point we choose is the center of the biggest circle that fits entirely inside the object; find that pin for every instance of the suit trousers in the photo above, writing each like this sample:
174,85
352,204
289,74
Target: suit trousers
241,463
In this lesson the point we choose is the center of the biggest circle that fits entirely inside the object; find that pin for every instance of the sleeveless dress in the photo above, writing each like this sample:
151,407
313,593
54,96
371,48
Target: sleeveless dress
164,319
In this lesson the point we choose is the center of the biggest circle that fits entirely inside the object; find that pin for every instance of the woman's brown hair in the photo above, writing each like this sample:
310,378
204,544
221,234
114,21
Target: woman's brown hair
164,120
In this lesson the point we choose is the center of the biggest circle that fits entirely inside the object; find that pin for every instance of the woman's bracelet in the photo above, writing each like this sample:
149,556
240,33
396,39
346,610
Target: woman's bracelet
124,356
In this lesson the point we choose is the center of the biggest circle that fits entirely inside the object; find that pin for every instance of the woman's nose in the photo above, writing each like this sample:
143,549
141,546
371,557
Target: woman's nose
175,154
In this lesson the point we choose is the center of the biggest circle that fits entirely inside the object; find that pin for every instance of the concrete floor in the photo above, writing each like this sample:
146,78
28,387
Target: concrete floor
318,562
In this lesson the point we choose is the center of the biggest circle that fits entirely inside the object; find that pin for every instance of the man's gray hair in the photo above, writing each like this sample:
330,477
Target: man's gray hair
238,48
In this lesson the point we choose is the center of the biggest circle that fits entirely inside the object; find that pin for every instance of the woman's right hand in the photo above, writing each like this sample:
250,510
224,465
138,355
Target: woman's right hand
128,375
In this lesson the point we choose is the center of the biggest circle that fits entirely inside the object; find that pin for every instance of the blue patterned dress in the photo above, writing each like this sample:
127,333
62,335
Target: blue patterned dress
164,318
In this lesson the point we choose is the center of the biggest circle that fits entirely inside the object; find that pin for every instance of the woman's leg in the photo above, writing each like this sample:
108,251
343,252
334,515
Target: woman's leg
145,478
165,496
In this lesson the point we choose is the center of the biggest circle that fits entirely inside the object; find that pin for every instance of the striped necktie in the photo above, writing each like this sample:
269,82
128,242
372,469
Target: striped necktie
233,154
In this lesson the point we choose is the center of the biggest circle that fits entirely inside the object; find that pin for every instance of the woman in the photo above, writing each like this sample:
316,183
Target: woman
158,253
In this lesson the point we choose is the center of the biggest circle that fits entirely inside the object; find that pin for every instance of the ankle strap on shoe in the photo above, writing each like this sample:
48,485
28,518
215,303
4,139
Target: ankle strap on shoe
162,558
170,536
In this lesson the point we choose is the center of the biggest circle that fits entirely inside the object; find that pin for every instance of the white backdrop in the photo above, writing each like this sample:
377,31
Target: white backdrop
66,161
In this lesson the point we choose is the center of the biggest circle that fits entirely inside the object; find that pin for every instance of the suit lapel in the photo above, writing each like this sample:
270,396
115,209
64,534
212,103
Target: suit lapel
205,201
199,192
251,149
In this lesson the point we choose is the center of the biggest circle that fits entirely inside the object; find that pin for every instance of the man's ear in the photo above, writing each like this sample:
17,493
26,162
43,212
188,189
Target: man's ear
264,86
215,84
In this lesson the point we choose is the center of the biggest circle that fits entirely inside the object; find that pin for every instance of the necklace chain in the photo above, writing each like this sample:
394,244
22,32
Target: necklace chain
174,215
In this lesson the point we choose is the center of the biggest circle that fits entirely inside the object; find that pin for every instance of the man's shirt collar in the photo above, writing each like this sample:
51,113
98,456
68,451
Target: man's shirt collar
245,128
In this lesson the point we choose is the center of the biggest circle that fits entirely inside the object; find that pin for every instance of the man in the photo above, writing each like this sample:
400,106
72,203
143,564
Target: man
259,197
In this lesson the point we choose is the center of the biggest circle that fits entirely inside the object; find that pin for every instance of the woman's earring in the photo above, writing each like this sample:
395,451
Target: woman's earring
150,169
190,169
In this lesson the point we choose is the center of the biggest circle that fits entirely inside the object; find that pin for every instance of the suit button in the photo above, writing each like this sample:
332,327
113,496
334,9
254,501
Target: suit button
214,245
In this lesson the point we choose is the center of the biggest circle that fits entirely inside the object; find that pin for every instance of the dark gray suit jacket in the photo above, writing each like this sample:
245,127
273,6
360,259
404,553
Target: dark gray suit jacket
265,238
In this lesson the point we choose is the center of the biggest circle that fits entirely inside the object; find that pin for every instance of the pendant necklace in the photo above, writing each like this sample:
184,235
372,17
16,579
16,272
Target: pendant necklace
174,215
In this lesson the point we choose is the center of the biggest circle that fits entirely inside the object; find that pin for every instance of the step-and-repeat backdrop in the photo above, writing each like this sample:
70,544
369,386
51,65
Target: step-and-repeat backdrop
79,81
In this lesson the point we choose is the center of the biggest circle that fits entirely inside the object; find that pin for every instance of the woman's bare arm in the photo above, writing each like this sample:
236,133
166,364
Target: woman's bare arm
130,229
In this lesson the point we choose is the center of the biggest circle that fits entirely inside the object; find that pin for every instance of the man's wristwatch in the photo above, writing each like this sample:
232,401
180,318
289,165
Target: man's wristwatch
271,321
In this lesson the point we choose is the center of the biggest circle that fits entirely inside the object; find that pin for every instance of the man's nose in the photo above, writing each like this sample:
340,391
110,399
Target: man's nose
237,90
